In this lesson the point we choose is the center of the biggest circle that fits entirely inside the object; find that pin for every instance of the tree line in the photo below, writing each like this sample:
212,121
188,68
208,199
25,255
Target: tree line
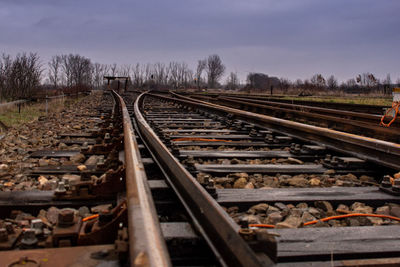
73,70
23,74
362,83
19,76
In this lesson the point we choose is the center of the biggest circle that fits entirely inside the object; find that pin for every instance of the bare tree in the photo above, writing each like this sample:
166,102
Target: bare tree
5,71
179,75
173,74
388,80
19,76
182,74
55,70
215,69
81,70
67,70
77,70
201,66
387,84
188,77
160,74
351,83
298,84
148,73
138,78
367,79
99,71
318,81
232,81
113,69
332,83
125,70
284,84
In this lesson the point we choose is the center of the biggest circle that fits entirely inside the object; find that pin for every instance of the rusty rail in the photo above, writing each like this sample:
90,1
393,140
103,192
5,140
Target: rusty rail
377,151
364,108
357,116
147,246
346,121
214,224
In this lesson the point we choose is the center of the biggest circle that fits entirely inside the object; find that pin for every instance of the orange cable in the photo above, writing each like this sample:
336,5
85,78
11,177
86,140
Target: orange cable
90,217
333,218
395,106
199,139
353,215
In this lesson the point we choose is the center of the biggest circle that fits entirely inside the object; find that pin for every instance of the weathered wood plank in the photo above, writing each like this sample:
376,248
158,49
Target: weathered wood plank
78,142
204,131
76,135
343,195
224,137
157,184
172,120
181,230
265,168
338,242
72,169
236,154
54,153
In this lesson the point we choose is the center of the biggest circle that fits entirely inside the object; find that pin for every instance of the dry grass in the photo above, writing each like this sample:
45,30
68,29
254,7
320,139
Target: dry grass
363,100
332,97
30,112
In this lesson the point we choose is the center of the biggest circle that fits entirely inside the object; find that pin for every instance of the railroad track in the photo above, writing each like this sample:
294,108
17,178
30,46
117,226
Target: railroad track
82,217
362,108
346,121
217,148
191,183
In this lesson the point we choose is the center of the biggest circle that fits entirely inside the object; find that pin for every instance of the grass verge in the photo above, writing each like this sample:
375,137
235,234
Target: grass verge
380,101
29,112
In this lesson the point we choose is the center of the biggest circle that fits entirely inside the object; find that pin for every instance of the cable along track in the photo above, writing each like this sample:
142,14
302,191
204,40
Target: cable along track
186,183
274,177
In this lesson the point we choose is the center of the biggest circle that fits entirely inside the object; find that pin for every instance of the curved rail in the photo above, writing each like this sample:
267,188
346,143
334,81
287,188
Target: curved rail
147,246
374,150
365,108
358,116
214,224
365,124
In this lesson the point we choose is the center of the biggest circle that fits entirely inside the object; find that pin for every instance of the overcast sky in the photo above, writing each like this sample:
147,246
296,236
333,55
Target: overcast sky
285,38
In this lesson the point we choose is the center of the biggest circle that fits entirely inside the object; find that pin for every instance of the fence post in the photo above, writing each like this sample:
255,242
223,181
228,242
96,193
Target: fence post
46,105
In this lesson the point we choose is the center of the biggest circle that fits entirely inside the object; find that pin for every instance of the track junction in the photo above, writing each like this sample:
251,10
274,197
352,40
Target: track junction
188,180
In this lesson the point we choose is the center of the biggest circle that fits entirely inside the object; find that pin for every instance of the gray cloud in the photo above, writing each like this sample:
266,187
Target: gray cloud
289,38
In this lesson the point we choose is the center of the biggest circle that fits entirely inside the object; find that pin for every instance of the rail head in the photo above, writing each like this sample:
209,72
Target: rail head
146,243
374,150
215,225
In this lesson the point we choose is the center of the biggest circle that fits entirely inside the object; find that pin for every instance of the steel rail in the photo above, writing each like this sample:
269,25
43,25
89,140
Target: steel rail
214,224
146,243
365,108
338,123
359,116
377,151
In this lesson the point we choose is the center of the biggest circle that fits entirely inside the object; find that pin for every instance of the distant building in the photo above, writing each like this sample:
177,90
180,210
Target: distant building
261,81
